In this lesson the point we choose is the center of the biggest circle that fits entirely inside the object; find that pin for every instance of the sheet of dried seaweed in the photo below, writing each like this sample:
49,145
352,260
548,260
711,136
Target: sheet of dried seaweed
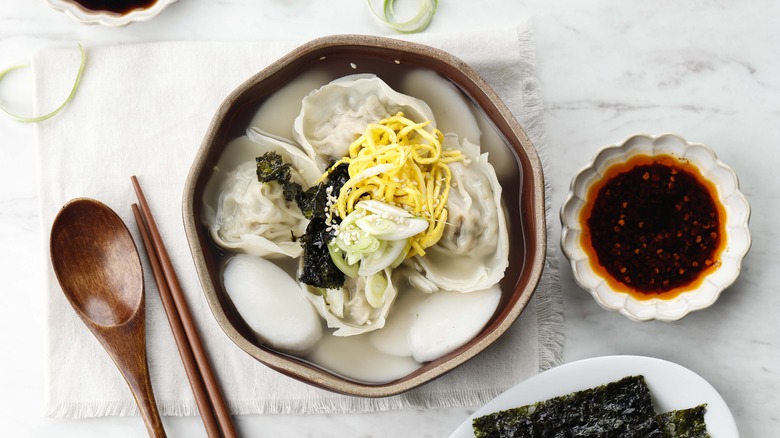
618,409
684,423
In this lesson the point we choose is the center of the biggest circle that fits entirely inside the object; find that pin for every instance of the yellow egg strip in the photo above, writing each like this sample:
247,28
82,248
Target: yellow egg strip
413,175
354,196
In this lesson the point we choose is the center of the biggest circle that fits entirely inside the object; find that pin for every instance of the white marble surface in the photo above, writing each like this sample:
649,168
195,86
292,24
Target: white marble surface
707,69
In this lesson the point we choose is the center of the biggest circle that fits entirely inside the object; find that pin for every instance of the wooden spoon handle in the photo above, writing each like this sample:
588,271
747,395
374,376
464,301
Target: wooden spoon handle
137,378
150,414
126,344
141,387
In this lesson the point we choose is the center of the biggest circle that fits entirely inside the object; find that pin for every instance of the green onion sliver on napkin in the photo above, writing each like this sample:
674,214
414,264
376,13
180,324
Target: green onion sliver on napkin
41,118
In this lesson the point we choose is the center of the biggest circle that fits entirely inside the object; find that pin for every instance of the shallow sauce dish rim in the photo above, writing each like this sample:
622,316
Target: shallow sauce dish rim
80,14
712,283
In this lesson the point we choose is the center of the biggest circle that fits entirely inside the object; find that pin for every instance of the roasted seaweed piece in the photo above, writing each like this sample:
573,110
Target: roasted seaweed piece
618,409
314,201
271,167
318,268
684,423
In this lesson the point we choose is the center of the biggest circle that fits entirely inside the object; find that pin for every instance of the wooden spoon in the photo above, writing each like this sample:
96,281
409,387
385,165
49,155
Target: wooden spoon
99,270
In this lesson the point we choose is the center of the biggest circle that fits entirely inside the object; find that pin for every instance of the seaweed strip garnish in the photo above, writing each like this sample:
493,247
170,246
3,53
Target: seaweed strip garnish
317,267
618,409
684,423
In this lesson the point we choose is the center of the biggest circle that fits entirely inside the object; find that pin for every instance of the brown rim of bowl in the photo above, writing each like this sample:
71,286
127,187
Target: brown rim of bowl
531,202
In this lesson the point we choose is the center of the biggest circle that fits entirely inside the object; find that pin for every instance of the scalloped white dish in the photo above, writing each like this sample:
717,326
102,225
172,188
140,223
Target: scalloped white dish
735,209
86,16
671,386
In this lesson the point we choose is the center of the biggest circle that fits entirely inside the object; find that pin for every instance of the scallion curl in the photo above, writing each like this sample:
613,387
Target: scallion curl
59,108
418,23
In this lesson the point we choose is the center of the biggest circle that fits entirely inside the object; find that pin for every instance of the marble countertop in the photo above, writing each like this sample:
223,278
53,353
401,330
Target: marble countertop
709,71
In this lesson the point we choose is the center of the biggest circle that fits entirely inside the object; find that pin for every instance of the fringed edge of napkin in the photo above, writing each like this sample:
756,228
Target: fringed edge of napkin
413,400
550,301
79,410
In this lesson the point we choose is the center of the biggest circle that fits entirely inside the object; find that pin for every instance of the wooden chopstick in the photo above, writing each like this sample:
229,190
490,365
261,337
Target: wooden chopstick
179,335
197,365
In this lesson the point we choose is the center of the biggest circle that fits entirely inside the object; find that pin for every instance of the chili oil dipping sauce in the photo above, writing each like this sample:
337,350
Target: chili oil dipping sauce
655,227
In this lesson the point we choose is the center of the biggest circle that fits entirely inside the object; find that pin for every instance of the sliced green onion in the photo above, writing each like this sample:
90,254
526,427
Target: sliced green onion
377,225
387,254
353,258
351,218
418,23
402,255
334,298
376,285
354,240
51,114
339,259
389,229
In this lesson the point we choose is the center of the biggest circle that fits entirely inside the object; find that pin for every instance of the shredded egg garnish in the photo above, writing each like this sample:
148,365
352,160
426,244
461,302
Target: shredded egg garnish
398,162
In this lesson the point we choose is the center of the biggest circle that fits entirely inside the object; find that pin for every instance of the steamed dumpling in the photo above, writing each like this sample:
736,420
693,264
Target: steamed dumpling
247,216
473,252
336,114
277,112
349,309
454,113
254,218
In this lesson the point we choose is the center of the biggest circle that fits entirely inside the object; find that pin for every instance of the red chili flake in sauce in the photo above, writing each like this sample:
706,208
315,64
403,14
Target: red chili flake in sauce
654,226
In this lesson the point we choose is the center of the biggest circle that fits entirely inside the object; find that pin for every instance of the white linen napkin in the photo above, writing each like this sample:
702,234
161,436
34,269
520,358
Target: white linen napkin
143,110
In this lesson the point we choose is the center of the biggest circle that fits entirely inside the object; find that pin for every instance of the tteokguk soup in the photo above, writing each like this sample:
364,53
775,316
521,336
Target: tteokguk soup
363,221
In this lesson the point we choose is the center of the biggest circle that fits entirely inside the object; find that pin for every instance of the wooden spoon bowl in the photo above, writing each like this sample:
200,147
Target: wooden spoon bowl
99,269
